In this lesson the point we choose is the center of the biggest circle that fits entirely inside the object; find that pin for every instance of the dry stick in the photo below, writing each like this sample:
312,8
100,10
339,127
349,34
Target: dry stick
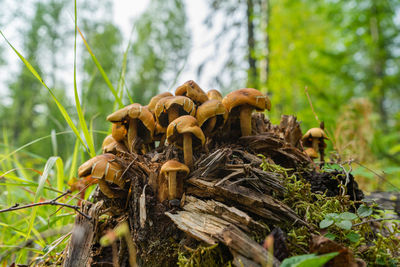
50,202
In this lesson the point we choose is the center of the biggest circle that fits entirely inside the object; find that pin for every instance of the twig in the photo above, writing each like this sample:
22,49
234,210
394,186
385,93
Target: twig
50,202
375,220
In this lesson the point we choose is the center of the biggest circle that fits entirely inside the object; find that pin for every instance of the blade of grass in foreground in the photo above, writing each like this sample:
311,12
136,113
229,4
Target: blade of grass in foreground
59,105
88,137
102,72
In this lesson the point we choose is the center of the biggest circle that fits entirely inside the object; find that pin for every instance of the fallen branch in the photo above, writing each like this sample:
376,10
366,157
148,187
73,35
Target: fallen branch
52,202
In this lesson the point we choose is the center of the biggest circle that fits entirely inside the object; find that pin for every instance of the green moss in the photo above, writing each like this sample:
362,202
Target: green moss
212,256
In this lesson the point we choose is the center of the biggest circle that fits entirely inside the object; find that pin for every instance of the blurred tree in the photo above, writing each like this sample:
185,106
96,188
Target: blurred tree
160,49
29,117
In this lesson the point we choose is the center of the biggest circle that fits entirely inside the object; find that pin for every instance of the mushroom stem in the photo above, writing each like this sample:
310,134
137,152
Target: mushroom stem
245,119
187,149
315,144
132,134
210,124
173,113
172,184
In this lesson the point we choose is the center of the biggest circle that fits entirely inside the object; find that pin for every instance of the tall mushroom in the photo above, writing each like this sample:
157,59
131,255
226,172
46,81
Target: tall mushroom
176,172
245,101
315,139
211,115
103,169
185,133
193,91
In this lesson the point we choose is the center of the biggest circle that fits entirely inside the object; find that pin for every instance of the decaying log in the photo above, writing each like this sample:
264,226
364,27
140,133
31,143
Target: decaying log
247,199
212,222
290,130
80,245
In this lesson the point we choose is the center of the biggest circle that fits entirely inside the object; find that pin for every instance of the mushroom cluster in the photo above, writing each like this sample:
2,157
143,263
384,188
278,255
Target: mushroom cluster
187,120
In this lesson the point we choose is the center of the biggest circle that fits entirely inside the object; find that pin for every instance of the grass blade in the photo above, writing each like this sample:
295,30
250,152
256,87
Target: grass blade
88,136
59,105
102,72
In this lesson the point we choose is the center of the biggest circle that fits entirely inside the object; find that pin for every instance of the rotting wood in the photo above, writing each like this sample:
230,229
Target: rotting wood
79,248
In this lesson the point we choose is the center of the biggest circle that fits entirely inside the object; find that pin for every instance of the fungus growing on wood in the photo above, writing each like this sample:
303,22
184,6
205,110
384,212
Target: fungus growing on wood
211,115
154,100
185,133
314,138
119,130
140,124
193,91
105,170
170,108
175,172
311,153
110,145
246,100
214,94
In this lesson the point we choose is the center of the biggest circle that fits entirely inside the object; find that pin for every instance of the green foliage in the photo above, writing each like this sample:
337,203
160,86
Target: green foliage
308,260
203,256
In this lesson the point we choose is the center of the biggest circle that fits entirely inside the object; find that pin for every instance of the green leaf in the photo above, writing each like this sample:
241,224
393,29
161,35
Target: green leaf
330,236
332,216
353,237
345,224
364,211
326,223
308,260
347,216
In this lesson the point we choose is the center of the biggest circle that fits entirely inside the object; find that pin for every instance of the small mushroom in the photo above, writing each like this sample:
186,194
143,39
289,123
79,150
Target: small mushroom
185,133
105,170
315,139
119,130
176,172
214,94
170,108
211,115
311,153
246,100
154,100
110,145
193,91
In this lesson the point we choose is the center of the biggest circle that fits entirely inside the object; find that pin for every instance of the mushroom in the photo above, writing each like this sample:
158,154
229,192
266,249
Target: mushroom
119,130
104,170
176,172
214,94
193,91
185,132
311,153
140,124
314,138
154,100
246,100
110,145
211,115
170,108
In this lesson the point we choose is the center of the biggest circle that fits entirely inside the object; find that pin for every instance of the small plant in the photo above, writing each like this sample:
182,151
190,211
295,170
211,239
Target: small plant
308,260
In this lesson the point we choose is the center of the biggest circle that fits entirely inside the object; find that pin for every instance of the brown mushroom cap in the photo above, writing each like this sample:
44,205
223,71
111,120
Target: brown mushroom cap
154,100
209,109
185,124
103,167
247,96
175,166
118,115
311,153
182,104
214,94
193,91
110,145
313,133
119,130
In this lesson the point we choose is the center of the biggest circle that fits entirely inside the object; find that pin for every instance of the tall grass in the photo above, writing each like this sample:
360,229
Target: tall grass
42,231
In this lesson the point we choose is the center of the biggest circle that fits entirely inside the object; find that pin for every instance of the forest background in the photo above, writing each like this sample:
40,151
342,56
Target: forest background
343,56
